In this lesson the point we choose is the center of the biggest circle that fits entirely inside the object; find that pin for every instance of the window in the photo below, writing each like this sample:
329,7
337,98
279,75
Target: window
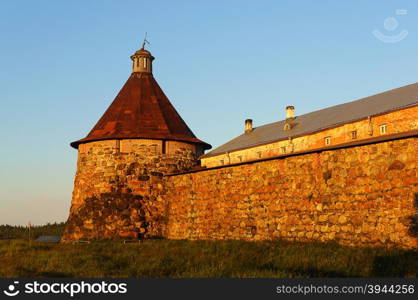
240,158
328,140
354,134
259,154
164,147
137,62
283,150
383,129
145,63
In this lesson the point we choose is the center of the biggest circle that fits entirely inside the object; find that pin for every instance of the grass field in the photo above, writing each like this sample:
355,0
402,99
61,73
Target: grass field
170,258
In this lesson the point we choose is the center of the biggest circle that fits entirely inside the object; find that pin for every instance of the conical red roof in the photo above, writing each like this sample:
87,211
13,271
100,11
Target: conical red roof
141,110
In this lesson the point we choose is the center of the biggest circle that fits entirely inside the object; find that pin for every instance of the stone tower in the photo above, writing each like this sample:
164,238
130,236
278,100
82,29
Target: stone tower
119,185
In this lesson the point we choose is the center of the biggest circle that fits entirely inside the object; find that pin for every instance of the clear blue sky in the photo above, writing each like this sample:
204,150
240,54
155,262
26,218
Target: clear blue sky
219,62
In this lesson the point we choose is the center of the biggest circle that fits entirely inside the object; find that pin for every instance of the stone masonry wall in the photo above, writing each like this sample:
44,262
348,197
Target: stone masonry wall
118,194
360,196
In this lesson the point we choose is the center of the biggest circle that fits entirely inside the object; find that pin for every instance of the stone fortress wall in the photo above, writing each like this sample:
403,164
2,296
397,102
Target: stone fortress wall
365,195
359,196
118,187
129,187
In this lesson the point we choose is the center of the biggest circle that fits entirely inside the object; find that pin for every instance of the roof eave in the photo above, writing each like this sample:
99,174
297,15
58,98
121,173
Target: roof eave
77,143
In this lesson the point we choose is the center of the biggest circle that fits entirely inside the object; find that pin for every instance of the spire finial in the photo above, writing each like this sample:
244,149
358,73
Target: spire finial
142,59
145,41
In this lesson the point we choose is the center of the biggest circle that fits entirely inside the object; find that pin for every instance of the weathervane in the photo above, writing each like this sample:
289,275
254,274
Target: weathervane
145,41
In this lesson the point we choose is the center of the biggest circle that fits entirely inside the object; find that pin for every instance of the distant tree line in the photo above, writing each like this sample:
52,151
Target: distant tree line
22,232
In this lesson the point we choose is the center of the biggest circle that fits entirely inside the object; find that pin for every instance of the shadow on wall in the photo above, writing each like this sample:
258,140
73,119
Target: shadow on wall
111,215
399,265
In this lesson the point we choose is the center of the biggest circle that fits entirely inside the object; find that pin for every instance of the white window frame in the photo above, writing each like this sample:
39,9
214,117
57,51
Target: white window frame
327,140
383,129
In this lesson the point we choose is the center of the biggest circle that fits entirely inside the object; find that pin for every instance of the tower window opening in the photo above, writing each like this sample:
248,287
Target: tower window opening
164,147
137,62
145,63
354,134
328,140
383,129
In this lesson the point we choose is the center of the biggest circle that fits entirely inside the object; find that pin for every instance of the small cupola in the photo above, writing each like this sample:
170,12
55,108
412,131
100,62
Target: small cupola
142,61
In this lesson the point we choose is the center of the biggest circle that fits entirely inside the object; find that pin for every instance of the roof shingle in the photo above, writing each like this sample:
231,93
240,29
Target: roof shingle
141,110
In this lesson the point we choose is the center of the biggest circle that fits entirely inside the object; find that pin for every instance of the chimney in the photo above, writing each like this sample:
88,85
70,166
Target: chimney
290,112
248,125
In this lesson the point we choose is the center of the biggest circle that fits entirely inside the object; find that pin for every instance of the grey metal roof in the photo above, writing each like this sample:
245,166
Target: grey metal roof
406,96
